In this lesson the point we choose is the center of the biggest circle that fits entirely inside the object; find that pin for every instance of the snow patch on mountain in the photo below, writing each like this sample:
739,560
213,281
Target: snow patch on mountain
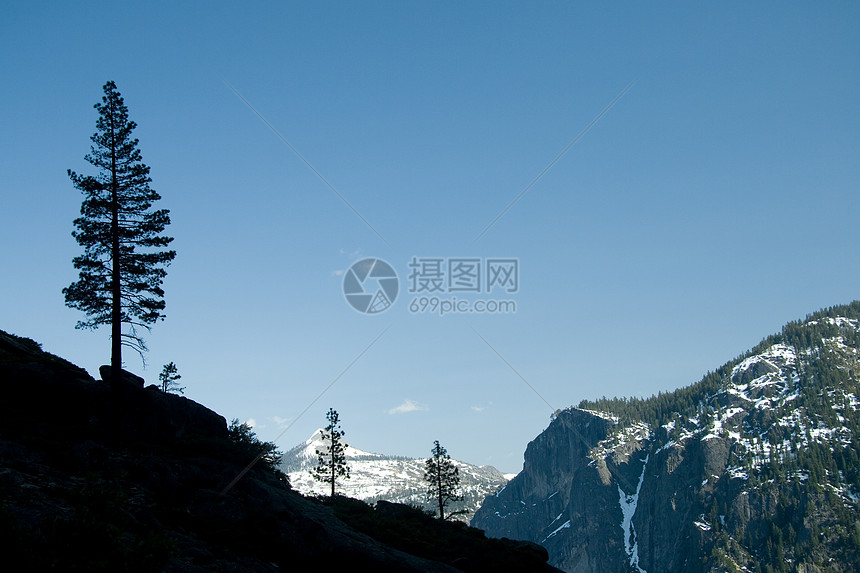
629,504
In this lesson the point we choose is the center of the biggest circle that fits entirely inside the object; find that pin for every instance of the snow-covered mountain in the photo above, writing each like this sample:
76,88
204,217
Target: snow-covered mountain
754,468
391,478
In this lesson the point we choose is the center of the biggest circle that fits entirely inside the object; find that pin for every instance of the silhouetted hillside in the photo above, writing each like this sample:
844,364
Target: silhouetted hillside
114,477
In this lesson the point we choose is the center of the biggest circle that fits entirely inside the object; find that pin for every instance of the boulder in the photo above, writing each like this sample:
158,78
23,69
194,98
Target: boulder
126,377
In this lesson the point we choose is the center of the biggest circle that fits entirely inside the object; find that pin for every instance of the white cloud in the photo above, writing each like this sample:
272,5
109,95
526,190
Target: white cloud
352,255
479,408
408,406
281,422
251,422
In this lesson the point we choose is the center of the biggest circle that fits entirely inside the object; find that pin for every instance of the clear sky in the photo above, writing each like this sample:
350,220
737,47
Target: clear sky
715,201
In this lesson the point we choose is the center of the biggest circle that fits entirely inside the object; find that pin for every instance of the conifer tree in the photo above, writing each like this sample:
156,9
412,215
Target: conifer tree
242,434
125,255
169,379
331,461
442,477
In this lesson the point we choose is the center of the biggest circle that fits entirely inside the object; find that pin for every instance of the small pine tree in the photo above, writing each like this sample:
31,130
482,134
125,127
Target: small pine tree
331,461
169,378
442,477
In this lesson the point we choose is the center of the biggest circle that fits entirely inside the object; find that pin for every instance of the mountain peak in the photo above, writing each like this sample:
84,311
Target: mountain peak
318,440
376,477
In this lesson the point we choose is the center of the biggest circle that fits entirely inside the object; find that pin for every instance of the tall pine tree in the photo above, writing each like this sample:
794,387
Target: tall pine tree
331,461
125,255
442,477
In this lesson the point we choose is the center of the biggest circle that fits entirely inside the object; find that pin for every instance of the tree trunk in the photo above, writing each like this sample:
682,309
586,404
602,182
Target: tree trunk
441,505
116,293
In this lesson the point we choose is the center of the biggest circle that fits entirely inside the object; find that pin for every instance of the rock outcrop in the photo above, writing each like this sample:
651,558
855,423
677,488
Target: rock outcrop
125,377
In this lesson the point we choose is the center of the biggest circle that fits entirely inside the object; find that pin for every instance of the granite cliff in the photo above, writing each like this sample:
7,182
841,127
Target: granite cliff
754,468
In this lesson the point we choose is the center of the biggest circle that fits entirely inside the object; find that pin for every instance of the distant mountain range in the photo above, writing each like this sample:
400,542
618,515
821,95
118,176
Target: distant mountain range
754,468
376,477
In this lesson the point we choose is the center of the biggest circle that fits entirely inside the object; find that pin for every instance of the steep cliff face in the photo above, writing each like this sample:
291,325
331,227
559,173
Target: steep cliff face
561,491
755,468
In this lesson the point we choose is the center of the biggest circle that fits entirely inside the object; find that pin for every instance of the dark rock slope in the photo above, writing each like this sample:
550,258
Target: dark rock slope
755,468
114,477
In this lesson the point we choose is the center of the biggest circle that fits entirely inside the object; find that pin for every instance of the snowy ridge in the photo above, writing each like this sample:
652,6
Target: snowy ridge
396,479
599,414
759,411
317,442
767,385
624,439
770,381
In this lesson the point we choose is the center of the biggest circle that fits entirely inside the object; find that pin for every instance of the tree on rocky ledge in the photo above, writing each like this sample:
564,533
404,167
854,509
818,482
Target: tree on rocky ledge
125,255
169,379
331,461
443,479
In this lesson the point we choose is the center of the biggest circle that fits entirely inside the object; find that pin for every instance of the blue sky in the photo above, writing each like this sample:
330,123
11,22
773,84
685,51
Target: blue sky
715,201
